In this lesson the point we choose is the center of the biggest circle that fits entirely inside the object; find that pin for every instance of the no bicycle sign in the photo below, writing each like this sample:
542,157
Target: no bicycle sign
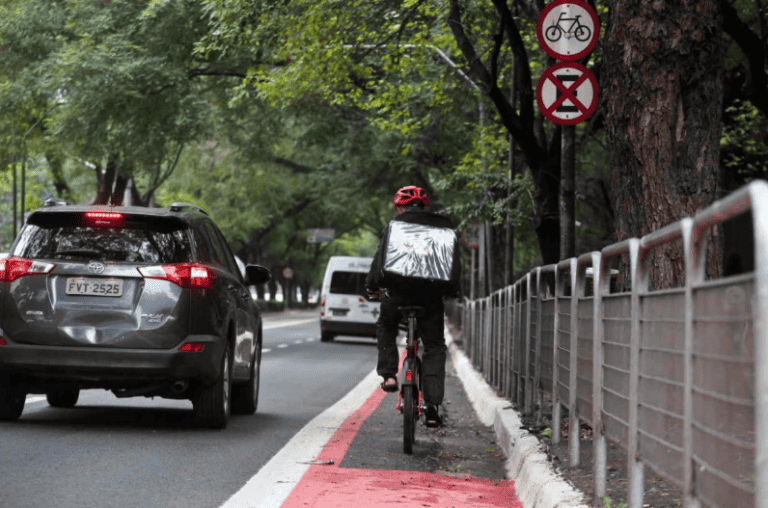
567,93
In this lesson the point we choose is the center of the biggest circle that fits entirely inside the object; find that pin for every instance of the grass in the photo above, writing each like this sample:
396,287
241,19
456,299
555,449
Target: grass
609,504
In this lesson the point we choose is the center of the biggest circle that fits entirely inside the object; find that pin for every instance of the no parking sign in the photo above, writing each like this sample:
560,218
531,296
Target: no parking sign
567,93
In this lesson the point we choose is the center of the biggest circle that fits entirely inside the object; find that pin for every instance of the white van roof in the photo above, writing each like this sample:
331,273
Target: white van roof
349,263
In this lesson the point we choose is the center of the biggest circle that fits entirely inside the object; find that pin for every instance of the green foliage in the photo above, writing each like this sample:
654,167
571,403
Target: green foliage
609,504
744,141
271,305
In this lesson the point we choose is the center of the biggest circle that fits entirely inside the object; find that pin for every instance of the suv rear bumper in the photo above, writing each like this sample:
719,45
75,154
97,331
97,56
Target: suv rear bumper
96,367
348,328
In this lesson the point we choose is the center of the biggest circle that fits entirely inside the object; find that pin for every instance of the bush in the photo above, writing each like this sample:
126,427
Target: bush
270,305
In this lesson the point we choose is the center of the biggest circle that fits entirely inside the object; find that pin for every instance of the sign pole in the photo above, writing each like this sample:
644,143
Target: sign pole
568,192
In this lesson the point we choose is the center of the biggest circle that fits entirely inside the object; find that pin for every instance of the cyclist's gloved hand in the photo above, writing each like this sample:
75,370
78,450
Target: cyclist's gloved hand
375,295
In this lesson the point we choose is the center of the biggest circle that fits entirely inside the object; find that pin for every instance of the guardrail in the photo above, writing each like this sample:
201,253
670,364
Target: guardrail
677,377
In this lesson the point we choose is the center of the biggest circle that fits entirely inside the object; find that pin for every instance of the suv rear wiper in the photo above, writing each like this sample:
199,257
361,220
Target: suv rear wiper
80,252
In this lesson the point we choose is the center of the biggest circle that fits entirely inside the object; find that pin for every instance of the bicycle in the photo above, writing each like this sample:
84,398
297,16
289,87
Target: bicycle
409,398
581,32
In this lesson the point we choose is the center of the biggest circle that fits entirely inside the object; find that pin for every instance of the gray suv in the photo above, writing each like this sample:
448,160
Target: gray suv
139,301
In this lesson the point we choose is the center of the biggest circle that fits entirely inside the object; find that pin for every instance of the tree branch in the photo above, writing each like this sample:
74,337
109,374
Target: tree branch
523,133
201,71
295,167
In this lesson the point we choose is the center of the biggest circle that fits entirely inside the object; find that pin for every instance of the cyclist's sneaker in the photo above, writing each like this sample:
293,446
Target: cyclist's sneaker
389,385
433,418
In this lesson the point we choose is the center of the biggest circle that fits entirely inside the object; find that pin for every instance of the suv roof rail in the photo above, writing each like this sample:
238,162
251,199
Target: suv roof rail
179,206
56,202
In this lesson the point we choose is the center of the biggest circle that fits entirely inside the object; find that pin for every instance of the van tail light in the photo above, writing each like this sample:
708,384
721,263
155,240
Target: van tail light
12,268
2,342
185,275
322,307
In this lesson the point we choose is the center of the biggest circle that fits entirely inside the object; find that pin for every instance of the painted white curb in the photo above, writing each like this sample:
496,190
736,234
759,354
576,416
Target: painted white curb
536,483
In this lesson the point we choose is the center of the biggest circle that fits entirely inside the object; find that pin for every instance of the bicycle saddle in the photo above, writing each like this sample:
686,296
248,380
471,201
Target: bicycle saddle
412,310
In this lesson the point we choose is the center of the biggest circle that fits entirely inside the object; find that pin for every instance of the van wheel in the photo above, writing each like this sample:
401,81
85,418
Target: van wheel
326,337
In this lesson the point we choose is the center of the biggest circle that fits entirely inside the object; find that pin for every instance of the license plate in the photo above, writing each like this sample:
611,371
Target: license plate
94,287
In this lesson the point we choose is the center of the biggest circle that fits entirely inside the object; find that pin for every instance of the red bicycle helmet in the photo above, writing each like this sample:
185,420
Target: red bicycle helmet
408,194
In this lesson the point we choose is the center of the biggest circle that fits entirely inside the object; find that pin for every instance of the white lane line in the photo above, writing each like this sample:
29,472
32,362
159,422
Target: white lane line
281,346
270,326
267,350
270,487
298,342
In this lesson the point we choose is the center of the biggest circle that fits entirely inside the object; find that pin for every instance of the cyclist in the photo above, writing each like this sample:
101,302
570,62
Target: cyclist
411,203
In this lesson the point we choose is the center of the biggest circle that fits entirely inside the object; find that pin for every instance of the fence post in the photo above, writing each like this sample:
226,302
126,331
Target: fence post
601,277
538,399
527,356
508,323
512,343
693,275
759,198
574,425
639,284
500,344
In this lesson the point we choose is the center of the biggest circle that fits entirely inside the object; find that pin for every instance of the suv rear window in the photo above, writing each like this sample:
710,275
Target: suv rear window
348,283
138,239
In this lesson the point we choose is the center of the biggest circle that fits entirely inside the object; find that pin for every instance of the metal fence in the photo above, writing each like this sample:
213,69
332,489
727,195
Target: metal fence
678,378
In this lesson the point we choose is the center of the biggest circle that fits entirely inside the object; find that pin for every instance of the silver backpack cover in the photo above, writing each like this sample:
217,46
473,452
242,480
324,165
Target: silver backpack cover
420,251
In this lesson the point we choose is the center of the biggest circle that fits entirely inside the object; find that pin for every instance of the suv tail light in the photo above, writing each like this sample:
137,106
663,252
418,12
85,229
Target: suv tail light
12,268
185,275
104,219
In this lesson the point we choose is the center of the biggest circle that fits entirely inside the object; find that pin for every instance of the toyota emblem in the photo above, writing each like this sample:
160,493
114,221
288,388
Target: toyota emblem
95,267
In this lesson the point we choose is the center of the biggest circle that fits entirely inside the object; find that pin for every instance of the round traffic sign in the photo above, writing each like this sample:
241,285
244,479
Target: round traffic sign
568,29
287,272
567,93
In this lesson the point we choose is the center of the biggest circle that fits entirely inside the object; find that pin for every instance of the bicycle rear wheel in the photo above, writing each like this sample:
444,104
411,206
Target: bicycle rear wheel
410,415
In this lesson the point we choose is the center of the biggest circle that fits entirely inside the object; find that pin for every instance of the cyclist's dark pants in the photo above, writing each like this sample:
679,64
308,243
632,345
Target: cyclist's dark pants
431,327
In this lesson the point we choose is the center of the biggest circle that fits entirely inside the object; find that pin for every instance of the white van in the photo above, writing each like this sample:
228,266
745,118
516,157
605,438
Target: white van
344,305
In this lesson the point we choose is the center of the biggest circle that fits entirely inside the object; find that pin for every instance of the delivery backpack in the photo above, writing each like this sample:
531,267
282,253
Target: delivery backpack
421,258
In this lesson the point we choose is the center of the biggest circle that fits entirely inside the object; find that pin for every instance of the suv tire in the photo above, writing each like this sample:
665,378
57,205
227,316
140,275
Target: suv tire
212,405
245,397
63,398
326,337
12,400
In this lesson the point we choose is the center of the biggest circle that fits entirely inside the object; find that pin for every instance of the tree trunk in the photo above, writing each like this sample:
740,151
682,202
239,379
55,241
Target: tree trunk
662,94
57,172
106,180
118,196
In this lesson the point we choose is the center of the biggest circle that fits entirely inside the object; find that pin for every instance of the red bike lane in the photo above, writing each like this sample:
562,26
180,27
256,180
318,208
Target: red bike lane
326,484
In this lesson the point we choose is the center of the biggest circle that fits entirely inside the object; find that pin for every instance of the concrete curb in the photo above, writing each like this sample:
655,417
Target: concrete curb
536,483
